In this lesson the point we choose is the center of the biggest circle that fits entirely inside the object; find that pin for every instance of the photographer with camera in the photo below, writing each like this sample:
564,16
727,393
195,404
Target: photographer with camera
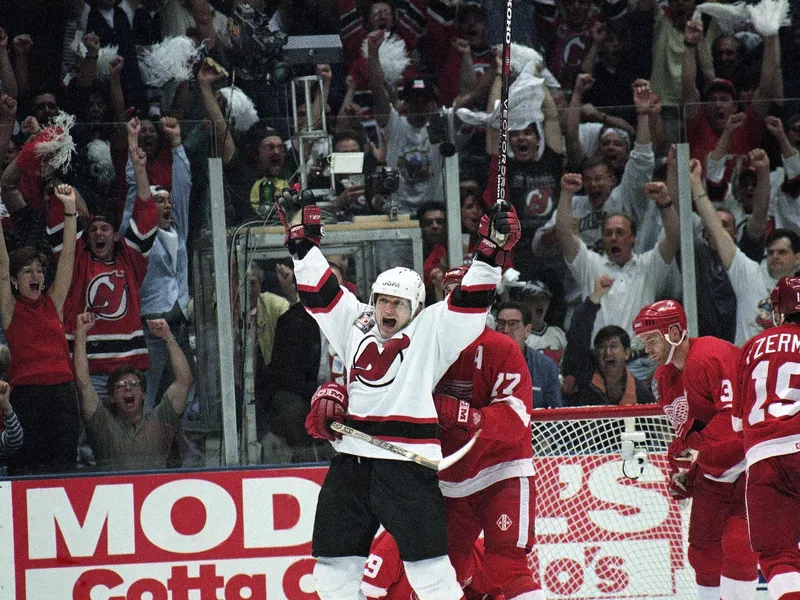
410,151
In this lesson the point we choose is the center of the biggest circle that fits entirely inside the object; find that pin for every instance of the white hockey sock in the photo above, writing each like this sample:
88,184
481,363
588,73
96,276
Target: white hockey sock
733,589
707,593
339,578
783,583
433,579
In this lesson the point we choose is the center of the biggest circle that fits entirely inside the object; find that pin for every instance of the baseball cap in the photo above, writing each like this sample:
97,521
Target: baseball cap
419,88
719,84
471,7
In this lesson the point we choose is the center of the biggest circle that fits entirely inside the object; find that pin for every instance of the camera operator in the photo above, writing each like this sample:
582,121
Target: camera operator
410,152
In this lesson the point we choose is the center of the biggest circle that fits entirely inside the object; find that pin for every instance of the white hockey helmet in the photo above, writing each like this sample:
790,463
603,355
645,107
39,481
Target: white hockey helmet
400,282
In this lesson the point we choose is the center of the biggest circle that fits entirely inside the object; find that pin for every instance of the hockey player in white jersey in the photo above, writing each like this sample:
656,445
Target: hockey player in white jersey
395,353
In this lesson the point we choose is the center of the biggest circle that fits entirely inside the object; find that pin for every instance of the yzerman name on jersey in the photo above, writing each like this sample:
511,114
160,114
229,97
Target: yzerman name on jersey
107,295
376,363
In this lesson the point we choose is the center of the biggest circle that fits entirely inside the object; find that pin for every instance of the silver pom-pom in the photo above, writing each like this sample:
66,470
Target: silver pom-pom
98,152
768,16
169,60
240,108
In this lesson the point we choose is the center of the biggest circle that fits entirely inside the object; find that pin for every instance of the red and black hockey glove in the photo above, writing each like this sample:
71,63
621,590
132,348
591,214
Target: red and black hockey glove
457,413
681,483
329,403
499,232
300,217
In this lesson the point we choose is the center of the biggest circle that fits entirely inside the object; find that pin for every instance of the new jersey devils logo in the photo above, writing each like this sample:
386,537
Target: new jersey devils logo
107,295
376,365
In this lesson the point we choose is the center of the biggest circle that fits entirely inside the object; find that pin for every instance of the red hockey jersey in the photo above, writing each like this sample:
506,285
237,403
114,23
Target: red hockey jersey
700,398
767,406
492,375
110,290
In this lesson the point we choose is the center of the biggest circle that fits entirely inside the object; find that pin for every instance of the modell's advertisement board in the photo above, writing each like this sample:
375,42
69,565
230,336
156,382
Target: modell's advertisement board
232,535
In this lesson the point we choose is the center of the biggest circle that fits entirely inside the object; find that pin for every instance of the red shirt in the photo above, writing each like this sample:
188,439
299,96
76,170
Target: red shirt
39,351
702,138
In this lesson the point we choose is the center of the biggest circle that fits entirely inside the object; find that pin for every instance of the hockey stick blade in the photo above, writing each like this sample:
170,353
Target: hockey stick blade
412,456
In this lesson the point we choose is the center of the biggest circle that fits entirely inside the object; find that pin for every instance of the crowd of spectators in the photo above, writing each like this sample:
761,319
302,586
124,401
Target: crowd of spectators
105,187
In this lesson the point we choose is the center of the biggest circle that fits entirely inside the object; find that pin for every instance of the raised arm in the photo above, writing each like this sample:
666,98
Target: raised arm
203,18
598,37
726,247
178,391
756,227
87,395
208,74
466,76
642,99
22,49
87,70
567,239
690,96
380,97
138,161
775,126
575,154
668,247
7,77
770,86
551,125
66,261
12,437
493,135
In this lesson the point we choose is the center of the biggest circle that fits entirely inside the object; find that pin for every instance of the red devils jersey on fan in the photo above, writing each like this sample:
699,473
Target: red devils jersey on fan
492,375
700,398
111,290
385,576
766,410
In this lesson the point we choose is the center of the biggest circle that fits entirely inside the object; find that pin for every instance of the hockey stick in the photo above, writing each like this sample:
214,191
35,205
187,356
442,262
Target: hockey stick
412,456
502,154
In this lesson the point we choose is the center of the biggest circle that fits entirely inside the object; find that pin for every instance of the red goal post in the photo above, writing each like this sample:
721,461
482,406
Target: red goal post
606,527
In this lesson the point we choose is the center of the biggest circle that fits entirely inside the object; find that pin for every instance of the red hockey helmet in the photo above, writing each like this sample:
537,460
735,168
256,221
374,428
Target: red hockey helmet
785,298
454,275
660,316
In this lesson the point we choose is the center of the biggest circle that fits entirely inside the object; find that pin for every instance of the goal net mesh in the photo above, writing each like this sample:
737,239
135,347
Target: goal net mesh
606,527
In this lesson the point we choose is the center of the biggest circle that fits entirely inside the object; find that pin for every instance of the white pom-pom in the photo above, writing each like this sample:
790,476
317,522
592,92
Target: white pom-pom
101,166
56,145
169,60
240,108
730,17
768,16
393,58
104,58
521,55
77,45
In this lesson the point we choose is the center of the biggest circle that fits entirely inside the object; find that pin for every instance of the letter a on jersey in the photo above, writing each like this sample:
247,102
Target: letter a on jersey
376,364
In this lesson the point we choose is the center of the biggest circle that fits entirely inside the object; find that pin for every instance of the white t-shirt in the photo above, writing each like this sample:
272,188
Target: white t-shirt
752,285
636,284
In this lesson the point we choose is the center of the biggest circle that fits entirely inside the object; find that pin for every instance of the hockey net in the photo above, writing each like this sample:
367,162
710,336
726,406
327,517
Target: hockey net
606,527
